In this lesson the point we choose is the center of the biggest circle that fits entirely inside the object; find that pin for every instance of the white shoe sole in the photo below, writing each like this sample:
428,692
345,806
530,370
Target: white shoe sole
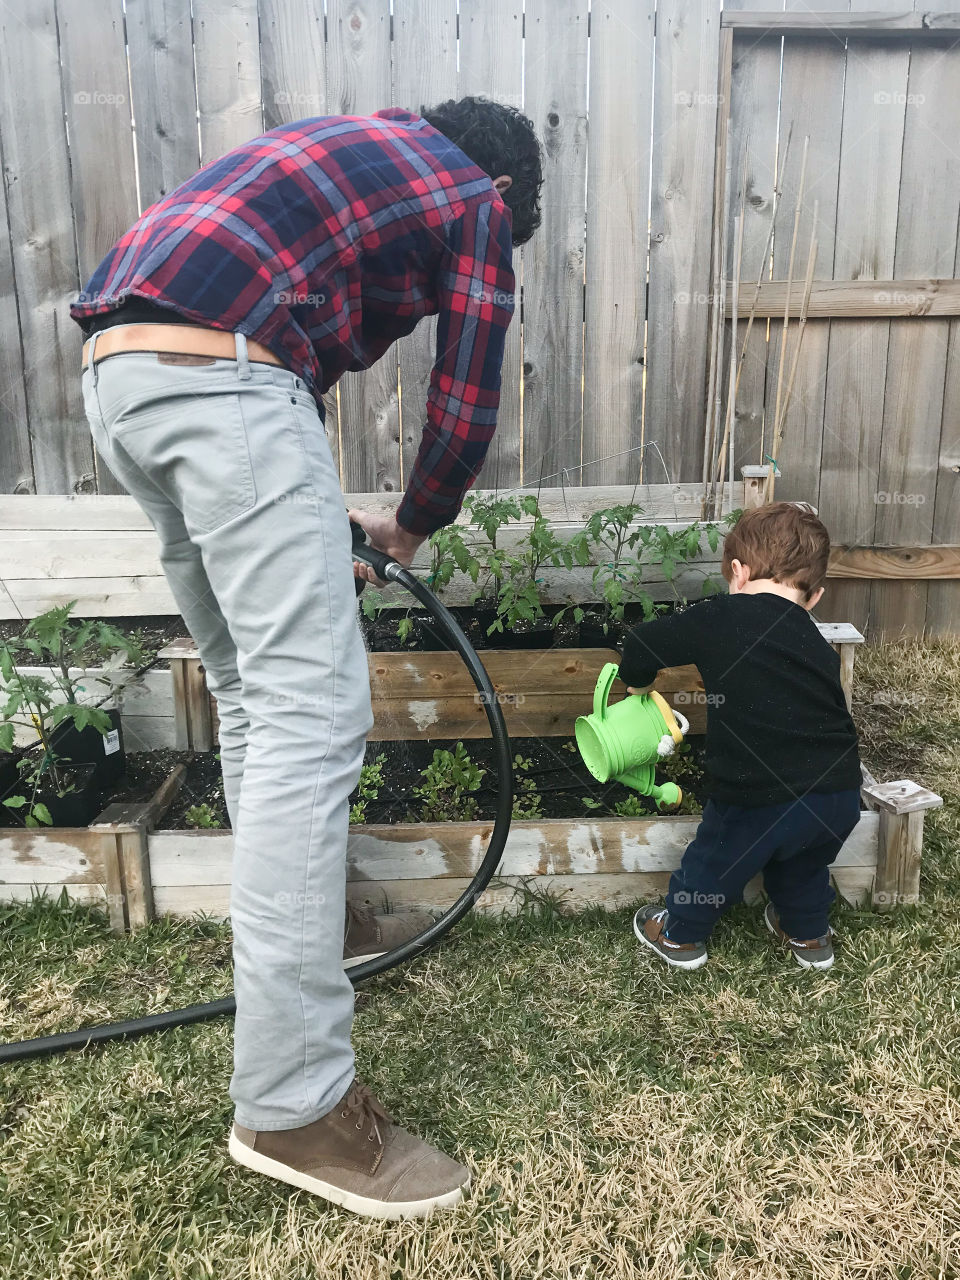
355,960
674,964
804,964
365,1206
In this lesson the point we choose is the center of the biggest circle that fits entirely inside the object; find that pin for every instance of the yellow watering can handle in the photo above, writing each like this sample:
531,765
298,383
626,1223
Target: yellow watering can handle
602,692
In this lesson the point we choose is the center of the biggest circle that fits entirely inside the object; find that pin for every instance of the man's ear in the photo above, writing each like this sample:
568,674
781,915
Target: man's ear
503,184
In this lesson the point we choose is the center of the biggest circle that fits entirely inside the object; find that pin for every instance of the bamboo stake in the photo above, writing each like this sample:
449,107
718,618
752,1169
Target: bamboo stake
786,305
734,298
804,309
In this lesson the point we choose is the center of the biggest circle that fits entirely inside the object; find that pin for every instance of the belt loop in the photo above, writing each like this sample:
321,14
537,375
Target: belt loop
243,360
92,356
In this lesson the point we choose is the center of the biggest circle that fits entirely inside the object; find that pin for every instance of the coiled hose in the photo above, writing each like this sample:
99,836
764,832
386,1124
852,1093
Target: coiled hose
390,571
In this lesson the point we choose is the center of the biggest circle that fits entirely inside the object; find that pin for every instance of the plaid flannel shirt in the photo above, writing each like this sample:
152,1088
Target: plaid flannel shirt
326,240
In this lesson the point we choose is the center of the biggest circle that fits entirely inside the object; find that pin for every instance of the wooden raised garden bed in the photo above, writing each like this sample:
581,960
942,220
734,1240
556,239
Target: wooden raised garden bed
123,861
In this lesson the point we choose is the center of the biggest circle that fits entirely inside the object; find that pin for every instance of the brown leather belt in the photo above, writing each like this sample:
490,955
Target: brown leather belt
175,339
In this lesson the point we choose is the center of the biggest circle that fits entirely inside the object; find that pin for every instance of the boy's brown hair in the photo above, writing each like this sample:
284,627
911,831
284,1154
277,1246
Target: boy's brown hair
784,541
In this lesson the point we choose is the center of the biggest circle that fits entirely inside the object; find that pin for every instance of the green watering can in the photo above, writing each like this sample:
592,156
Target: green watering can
625,741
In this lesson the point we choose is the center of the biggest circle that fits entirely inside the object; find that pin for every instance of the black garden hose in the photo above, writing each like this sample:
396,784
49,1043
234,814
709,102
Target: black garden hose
390,571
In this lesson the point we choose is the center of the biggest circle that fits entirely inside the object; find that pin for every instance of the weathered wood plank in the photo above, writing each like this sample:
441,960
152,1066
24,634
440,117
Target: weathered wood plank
424,74
40,213
16,463
680,250
917,359
902,563
226,42
811,106
292,60
621,59
160,41
54,856
412,851
847,299
857,356
556,35
879,23
753,141
359,83
491,65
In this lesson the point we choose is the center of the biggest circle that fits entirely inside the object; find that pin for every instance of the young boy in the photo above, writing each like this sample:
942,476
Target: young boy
783,773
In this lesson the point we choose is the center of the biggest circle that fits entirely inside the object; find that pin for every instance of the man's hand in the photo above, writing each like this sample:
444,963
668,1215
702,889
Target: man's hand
385,535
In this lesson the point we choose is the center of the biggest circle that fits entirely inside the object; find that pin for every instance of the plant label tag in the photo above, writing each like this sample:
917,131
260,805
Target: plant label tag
111,742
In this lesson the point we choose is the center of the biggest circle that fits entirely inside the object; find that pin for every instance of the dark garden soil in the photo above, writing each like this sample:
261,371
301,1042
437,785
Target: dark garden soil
151,633
554,775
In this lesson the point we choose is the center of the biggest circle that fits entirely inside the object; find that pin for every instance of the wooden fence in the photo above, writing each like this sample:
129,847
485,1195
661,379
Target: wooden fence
649,115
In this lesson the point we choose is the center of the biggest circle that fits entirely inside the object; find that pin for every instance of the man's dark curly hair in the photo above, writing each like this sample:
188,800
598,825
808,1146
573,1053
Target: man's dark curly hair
499,139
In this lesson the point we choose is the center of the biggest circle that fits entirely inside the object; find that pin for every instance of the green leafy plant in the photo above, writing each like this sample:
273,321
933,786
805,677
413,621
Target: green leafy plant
202,815
368,788
447,787
526,800
631,806
44,700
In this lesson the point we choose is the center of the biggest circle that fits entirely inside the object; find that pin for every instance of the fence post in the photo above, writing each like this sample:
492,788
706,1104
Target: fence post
902,805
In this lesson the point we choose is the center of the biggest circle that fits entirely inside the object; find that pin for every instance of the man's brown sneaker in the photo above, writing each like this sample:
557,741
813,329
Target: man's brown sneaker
355,1156
368,934
814,953
648,926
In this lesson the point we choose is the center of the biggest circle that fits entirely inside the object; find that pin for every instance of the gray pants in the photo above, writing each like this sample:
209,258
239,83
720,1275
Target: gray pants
230,462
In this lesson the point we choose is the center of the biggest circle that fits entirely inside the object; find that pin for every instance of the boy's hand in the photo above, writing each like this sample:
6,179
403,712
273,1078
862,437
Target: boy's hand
646,688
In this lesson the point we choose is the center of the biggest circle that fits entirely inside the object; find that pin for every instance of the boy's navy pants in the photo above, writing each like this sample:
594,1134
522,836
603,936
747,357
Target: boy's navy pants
793,845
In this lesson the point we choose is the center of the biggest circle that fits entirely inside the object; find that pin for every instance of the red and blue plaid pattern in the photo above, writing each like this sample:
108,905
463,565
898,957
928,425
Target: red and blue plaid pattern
326,240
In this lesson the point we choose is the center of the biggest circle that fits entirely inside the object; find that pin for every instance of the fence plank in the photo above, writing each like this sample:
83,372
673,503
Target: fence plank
37,176
16,463
359,83
491,65
424,74
917,360
857,352
753,135
292,57
680,250
162,77
811,102
102,171
226,41
556,35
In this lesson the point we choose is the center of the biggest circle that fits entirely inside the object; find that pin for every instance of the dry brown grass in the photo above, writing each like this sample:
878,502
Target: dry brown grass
748,1122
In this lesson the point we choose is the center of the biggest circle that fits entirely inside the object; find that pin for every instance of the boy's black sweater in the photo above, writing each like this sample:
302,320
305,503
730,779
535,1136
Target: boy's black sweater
777,720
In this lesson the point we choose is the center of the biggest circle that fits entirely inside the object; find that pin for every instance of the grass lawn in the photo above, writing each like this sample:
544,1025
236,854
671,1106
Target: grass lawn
751,1119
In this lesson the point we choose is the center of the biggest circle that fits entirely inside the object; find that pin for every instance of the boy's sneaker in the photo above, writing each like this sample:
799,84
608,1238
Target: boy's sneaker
355,1156
368,934
648,926
814,953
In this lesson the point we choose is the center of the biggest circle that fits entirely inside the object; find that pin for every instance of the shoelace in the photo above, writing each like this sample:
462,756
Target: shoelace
361,1103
